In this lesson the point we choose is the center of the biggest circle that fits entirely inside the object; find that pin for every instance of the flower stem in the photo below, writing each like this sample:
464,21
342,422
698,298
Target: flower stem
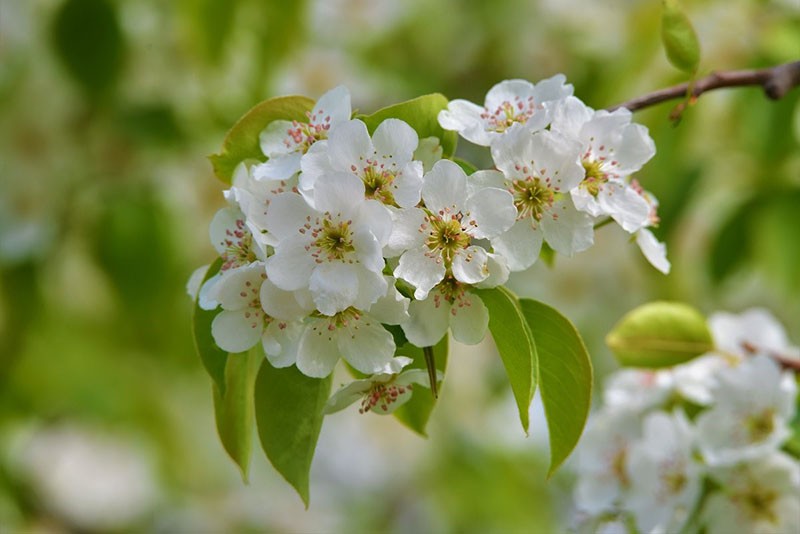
430,361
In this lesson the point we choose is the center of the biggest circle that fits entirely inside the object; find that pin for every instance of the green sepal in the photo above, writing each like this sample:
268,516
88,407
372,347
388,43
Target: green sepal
565,377
515,345
422,114
289,416
242,141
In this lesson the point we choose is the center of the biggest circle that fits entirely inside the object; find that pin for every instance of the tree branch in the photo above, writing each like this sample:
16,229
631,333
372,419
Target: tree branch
776,82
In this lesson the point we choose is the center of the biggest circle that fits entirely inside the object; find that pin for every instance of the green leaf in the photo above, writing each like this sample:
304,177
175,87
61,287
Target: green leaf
234,410
515,344
242,143
565,377
679,38
731,246
289,418
416,412
468,167
89,42
422,114
660,334
777,248
214,358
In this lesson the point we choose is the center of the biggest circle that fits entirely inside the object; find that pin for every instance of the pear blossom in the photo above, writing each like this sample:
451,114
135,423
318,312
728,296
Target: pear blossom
760,496
601,459
613,148
539,170
285,142
664,475
754,331
382,393
638,389
654,251
333,250
754,404
253,196
383,162
357,336
234,242
450,305
243,321
438,238
508,103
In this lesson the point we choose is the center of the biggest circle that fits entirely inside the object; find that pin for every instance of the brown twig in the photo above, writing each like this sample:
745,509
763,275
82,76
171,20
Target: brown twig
776,82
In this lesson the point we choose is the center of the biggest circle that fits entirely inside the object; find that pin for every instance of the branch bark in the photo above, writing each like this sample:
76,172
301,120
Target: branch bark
776,82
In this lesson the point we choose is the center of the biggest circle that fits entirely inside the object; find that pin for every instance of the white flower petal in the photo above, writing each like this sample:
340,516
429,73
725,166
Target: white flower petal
635,149
625,205
281,341
238,288
429,321
349,144
333,107
273,138
375,217
317,352
371,287
471,265
420,270
570,115
227,229
365,344
498,272
493,210
392,307
508,91
469,320
566,229
236,330
407,185
315,163
406,234
281,304
347,395
205,299
465,117
334,287
520,245
339,194
291,266
653,250
396,138
278,167
445,186
480,180
287,213
196,280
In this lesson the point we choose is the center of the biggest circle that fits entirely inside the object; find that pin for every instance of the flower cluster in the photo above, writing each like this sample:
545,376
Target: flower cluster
344,230
698,445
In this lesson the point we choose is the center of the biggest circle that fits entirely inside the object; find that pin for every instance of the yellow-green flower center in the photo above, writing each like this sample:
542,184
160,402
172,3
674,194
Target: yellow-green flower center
532,198
335,240
447,237
593,177
377,184
760,426
758,503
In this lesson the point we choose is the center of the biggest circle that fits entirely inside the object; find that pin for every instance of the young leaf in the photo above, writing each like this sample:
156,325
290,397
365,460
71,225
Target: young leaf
565,377
468,167
242,141
660,334
416,412
234,409
289,418
515,344
213,357
422,114
679,38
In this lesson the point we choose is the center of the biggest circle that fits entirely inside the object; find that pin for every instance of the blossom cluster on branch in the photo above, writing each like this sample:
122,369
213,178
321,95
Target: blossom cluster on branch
344,231
697,445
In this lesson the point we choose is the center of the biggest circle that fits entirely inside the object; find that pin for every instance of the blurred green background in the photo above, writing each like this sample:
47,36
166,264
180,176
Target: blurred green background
108,109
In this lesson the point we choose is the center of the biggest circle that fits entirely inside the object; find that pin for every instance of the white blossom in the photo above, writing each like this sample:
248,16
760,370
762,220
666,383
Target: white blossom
539,170
439,238
612,148
383,162
508,103
285,142
762,496
754,404
333,250
383,392
664,476
754,331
